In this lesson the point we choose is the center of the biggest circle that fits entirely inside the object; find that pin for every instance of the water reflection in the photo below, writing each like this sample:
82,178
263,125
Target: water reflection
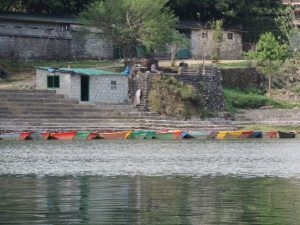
149,200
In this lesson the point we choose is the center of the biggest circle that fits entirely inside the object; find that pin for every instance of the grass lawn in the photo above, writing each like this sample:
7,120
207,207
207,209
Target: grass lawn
272,128
234,64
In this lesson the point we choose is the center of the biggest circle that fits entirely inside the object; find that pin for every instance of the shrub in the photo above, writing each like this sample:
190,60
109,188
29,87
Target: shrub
172,98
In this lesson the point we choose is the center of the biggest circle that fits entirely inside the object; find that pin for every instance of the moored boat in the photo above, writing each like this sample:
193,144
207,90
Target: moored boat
228,134
168,135
286,134
246,134
114,135
150,135
25,135
270,134
200,134
257,134
45,135
82,135
62,136
10,136
137,135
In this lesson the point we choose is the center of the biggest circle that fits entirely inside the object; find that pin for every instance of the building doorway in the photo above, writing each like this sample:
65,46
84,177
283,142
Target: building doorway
85,87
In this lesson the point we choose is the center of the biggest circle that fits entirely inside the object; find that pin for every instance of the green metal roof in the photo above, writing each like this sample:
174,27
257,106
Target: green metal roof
82,71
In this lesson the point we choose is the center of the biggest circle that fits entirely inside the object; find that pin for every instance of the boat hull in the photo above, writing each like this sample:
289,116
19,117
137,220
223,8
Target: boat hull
62,136
270,134
10,136
82,135
114,135
286,135
168,135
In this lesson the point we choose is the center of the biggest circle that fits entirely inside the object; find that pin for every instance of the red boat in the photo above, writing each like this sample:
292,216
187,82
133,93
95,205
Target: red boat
25,135
62,136
93,135
270,134
246,134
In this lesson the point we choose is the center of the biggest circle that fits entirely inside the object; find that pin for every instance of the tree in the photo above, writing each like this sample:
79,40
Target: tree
131,23
217,38
178,41
285,22
231,11
43,6
269,52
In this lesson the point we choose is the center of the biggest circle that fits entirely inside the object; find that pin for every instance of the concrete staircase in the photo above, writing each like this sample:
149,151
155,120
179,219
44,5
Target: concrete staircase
278,117
46,110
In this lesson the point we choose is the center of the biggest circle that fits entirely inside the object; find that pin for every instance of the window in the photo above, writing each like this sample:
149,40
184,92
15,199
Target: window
204,35
113,85
34,28
53,81
230,36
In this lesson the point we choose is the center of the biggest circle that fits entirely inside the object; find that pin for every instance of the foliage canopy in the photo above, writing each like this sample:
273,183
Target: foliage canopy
131,23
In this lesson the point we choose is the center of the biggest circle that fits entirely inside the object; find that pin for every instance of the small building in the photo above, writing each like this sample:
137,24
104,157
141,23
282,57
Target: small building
86,85
202,43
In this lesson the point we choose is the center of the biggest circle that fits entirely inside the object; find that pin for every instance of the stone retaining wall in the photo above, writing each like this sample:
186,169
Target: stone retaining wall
207,83
243,79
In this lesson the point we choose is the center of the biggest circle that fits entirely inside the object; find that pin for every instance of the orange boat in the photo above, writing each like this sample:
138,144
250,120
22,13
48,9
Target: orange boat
25,135
114,135
45,135
62,136
270,134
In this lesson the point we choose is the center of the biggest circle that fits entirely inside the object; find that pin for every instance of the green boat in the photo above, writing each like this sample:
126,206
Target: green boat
142,135
82,135
150,135
168,135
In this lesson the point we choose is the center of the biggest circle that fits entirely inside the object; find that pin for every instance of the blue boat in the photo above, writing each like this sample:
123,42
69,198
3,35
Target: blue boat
9,136
256,134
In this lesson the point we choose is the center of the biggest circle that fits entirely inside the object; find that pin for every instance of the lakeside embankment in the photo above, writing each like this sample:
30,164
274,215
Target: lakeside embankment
22,76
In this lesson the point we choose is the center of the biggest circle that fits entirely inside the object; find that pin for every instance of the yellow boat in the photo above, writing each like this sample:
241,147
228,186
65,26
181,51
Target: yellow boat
229,134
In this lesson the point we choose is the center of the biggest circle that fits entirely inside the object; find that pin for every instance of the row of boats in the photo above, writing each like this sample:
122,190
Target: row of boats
166,135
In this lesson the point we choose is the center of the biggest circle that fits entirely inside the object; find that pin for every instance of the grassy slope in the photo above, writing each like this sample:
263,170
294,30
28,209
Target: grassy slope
239,100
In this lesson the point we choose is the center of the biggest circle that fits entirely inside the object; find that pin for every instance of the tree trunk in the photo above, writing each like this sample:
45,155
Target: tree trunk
270,86
173,55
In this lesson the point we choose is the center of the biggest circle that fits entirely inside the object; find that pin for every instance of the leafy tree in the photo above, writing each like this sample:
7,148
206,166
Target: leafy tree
131,23
217,38
268,53
231,11
178,41
44,6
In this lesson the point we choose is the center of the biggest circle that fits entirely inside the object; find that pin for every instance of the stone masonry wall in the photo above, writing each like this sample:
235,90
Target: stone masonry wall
207,83
243,79
21,40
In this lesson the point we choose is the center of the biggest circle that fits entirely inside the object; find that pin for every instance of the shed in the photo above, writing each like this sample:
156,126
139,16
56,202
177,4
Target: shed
86,85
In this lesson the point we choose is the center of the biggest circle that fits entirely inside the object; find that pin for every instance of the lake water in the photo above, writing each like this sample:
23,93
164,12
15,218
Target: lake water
150,182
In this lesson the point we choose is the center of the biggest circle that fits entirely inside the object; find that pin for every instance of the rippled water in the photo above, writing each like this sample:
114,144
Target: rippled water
150,182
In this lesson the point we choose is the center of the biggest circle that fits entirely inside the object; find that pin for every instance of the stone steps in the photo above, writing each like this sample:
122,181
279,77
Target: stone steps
44,110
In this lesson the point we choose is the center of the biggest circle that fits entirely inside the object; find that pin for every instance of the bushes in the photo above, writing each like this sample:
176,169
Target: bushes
172,98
